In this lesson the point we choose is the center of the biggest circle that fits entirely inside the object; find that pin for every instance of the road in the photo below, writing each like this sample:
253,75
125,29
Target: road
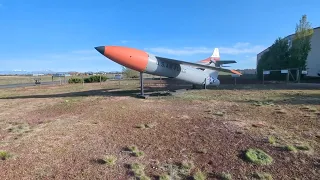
27,84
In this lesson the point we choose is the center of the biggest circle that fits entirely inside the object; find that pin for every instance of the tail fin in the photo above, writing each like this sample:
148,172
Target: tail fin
215,55
213,58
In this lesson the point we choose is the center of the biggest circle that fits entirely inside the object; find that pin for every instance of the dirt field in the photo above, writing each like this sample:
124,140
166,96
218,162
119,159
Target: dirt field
66,132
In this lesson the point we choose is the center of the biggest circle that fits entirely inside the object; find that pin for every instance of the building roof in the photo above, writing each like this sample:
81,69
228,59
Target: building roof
285,38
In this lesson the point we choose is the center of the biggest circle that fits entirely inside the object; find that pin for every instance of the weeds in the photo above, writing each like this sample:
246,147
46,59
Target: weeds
272,140
178,171
135,151
4,155
110,160
138,170
200,175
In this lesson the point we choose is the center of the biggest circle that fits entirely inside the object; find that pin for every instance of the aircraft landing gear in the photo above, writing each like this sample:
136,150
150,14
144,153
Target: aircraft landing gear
204,86
141,95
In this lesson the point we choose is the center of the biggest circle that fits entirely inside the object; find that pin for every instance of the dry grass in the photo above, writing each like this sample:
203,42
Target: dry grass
59,131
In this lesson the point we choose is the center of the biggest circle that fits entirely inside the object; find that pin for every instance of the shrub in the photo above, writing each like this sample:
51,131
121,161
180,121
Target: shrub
95,78
74,80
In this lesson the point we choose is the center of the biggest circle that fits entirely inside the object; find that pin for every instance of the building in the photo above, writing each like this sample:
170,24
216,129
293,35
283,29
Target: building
313,60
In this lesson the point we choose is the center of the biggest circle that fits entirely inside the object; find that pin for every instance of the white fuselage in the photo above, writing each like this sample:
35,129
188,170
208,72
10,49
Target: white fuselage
182,72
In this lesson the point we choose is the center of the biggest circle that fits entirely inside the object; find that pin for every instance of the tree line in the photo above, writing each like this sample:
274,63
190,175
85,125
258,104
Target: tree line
287,53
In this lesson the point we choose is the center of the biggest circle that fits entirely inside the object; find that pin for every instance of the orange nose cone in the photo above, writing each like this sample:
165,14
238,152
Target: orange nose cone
128,57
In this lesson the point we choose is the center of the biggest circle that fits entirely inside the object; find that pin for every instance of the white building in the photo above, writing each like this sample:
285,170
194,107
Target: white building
313,60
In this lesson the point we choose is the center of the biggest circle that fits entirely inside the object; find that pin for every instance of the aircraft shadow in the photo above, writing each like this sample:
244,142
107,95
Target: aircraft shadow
99,92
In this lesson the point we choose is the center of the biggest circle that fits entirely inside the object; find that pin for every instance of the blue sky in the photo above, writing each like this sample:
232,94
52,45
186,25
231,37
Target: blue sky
61,35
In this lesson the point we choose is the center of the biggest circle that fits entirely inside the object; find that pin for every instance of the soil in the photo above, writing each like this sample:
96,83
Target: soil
67,133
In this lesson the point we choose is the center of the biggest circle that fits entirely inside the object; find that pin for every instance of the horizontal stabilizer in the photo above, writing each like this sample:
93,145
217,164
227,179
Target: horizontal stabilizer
225,62
198,65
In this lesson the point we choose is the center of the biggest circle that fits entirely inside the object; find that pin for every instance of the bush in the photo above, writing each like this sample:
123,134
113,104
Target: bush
75,80
95,78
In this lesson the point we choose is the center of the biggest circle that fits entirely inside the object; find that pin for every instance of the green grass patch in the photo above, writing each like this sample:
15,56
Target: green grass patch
258,156
4,155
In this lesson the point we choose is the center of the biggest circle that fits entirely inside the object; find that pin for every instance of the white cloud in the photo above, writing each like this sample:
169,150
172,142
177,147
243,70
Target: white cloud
124,41
238,48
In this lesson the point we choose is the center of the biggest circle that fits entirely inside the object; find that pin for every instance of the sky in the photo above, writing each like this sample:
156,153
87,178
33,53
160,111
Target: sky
61,35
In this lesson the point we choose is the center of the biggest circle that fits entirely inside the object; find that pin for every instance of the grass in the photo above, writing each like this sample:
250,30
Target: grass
138,170
200,175
179,170
258,156
135,151
272,140
110,160
4,155
187,166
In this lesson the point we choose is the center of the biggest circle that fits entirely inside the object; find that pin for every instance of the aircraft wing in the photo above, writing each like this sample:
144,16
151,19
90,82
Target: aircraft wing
198,65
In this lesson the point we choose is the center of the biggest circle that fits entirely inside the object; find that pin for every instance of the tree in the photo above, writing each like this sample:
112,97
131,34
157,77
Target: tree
130,73
281,56
301,44
277,57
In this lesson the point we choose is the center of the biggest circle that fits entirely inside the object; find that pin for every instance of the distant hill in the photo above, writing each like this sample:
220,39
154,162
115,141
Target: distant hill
18,72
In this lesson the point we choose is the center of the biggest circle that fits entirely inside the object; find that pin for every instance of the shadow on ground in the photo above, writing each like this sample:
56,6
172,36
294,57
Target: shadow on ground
296,98
98,92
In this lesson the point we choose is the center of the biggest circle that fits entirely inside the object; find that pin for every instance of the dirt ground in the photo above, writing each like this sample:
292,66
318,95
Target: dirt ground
64,132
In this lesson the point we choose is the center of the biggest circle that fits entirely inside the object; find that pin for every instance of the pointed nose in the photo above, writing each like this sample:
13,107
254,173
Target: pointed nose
128,57
100,49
